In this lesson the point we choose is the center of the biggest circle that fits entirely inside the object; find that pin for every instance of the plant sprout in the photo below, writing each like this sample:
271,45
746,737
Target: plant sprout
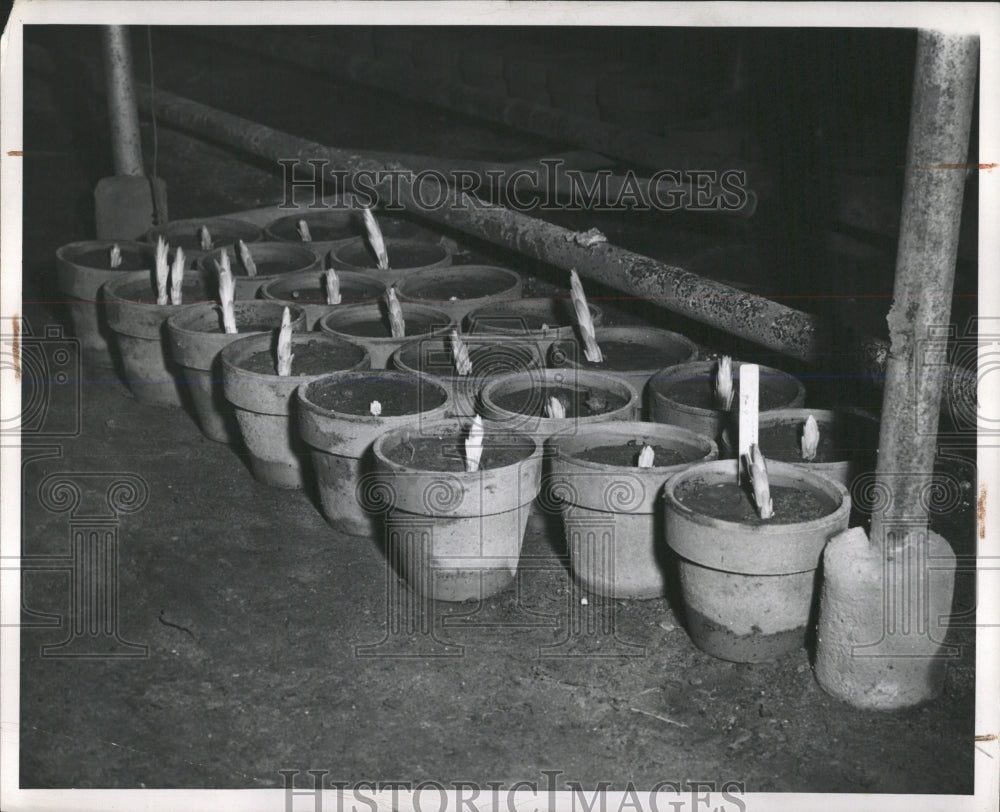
460,352
204,238
227,289
396,323
375,408
246,258
162,271
284,352
116,256
332,287
646,457
303,228
724,383
474,445
375,239
177,277
554,409
584,320
810,438
757,469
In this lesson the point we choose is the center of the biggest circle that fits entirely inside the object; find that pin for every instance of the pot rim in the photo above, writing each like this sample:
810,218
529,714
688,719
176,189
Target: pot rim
512,280
109,290
314,274
302,394
406,242
453,425
785,470
296,250
528,303
823,416
329,213
346,311
176,322
236,352
241,227
629,428
69,252
706,366
614,332
477,340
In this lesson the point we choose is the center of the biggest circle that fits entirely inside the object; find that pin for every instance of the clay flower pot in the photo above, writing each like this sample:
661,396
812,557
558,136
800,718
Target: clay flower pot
196,338
747,584
460,289
848,442
368,325
517,401
611,509
225,231
456,535
540,320
308,290
263,400
491,357
633,353
81,269
336,422
138,323
683,395
273,260
405,257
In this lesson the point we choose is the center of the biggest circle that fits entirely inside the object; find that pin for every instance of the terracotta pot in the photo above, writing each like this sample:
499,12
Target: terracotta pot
139,326
682,395
308,290
542,321
273,260
196,338
81,269
459,289
405,257
336,422
848,441
456,535
327,227
263,400
368,325
611,509
632,353
224,231
491,357
748,585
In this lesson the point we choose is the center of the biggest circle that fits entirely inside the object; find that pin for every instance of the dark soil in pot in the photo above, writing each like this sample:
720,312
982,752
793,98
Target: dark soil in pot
132,259
312,358
324,226
396,397
623,355
783,440
458,282
627,455
448,453
734,503
576,402
700,392
352,290
143,292
415,325
525,315
222,230
403,254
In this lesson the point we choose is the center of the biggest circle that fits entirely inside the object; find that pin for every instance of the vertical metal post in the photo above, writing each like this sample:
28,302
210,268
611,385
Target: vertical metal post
127,147
943,92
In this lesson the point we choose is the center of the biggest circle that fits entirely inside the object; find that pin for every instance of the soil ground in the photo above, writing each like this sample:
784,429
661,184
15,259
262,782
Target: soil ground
252,610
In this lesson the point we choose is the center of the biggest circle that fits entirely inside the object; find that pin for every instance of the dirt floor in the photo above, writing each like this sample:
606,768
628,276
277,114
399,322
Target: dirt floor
256,615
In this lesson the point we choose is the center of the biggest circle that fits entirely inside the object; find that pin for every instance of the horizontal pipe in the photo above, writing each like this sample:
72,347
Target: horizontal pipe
765,322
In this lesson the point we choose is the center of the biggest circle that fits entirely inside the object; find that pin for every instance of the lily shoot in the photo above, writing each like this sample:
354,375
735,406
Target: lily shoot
375,408
646,457
162,271
724,384
757,469
375,239
285,344
396,323
810,438
474,445
204,238
303,228
116,256
177,277
246,258
460,352
332,287
227,289
554,409
584,320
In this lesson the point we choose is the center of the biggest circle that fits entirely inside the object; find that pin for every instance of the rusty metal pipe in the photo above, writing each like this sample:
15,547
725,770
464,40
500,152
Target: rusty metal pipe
125,143
944,88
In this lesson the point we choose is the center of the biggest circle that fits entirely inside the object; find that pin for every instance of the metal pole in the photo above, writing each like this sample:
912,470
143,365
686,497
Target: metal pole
943,92
126,146
768,323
